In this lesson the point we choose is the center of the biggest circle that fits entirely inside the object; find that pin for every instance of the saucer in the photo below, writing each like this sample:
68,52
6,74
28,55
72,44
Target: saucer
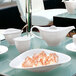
2,37
71,47
3,49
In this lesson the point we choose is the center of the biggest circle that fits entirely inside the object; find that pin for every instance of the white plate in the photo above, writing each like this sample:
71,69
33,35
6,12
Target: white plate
1,34
17,62
2,37
3,49
71,47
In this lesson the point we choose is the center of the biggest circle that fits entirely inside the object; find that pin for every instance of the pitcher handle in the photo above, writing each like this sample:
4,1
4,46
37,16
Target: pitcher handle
33,33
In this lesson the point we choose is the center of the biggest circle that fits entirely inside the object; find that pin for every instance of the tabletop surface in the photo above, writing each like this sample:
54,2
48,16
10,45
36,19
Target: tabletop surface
67,69
67,15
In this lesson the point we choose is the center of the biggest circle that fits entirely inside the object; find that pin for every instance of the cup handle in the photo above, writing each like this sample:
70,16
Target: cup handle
33,33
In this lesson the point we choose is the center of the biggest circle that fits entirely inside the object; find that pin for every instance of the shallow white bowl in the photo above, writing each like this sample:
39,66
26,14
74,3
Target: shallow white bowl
17,62
3,49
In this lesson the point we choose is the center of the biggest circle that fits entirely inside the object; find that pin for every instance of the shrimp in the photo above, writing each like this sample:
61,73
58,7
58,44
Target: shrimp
40,59
28,62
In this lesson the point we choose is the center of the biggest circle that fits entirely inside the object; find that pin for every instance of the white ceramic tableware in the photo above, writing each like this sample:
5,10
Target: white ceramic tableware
74,39
1,34
53,35
12,33
71,47
2,37
3,49
71,6
17,62
22,43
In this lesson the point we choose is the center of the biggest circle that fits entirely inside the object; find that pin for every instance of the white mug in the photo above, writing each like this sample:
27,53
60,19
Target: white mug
22,43
74,39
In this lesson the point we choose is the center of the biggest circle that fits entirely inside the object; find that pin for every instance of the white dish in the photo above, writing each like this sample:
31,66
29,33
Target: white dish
2,37
71,47
22,43
1,34
17,62
12,33
3,49
52,35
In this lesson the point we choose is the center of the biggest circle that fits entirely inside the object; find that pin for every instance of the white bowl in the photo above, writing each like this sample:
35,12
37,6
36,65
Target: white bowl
12,33
17,62
22,43
3,49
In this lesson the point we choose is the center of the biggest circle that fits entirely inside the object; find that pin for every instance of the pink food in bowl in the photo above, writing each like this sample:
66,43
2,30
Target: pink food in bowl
40,59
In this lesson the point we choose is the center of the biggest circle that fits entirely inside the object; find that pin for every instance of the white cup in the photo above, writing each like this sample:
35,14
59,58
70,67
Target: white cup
22,43
74,39
70,6
12,33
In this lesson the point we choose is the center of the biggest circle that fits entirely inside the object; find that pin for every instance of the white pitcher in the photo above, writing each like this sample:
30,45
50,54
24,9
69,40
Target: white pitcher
53,35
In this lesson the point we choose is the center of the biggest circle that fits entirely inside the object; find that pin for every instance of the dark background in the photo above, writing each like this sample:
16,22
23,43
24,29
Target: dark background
50,4
10,17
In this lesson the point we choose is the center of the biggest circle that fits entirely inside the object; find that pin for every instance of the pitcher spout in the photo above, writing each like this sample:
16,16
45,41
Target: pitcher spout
70,28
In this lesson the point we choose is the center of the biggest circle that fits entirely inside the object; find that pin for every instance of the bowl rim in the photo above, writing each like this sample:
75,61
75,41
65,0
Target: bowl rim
7,32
